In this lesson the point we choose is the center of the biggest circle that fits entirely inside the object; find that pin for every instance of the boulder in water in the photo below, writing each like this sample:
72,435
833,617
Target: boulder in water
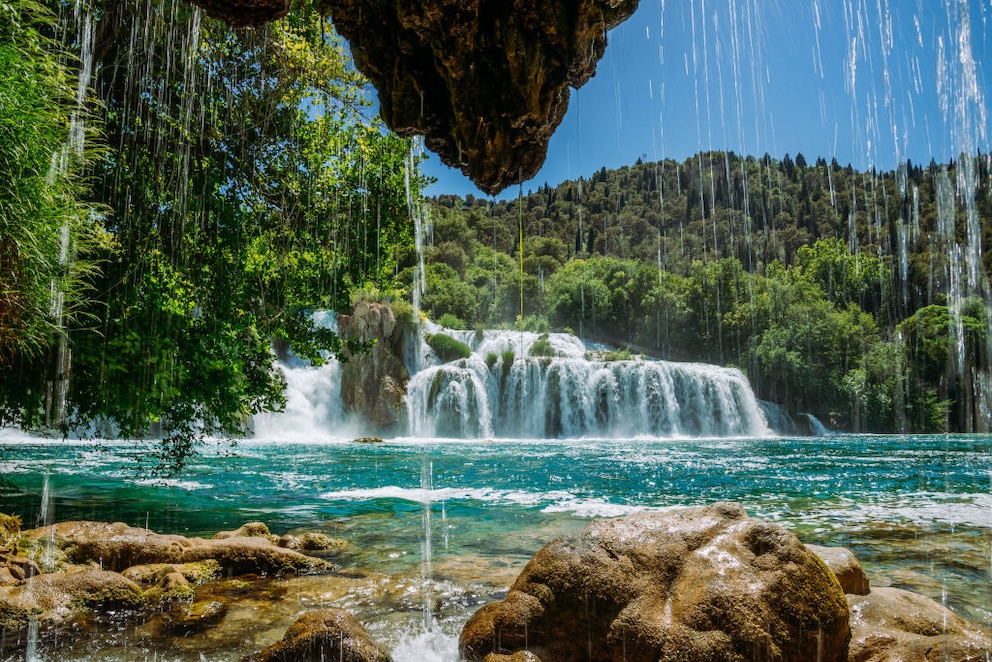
60,596
374,384
846,567
119,546
891,624
704,583
326,634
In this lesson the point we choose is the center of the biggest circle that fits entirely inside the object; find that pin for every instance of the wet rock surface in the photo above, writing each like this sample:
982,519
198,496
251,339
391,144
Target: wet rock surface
891,624
485,81
374,384
118,546
244,13
846,567
73,572
689,584
325,634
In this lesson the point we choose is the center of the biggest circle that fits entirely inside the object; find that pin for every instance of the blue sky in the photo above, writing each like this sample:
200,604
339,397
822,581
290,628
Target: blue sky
869,82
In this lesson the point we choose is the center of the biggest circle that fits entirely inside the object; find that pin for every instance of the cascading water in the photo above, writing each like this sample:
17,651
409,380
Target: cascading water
503,390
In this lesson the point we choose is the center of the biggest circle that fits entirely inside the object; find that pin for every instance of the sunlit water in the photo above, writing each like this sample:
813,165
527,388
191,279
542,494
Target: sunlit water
917,511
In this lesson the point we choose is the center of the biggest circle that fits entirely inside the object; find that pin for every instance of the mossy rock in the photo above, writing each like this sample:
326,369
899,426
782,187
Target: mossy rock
10,526
368,440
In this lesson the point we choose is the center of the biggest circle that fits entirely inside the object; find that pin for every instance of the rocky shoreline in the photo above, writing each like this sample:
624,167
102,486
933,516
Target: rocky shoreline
690,584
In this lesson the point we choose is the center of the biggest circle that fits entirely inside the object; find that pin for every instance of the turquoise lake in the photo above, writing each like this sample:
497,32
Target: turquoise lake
466,516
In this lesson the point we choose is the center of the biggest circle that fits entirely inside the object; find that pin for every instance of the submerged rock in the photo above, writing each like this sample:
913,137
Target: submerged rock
326,634
706,583
486,81
890,624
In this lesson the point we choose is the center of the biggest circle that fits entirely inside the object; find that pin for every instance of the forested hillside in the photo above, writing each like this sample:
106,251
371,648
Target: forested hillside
827,286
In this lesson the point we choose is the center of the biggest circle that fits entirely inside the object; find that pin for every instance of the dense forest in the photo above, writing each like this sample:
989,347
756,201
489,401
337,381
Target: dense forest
175,195
856,296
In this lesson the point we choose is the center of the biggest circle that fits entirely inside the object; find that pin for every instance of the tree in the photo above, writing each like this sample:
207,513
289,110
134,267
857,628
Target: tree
245,186
47,231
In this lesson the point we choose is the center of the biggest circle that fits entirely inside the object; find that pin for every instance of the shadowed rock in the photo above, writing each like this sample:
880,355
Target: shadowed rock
243,13
690,584
326,634
486,81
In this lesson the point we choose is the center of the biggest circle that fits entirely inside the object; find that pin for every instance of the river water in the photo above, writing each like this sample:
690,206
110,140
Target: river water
438,527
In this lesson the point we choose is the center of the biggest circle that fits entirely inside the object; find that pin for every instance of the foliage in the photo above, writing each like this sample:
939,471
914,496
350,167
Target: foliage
542,348
246,185
447,348
804,275
47,231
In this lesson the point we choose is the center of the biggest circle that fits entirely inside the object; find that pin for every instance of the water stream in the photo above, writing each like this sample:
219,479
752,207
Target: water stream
916,510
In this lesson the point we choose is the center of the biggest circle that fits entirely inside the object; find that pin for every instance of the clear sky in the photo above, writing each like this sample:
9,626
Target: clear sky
869,82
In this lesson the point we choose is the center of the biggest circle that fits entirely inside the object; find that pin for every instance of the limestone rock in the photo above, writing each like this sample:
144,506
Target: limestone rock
373,385
486,81
7,578
156,573
705,583
249,530
519,656
326,634
846,568
196,616
59,596
22,568
242,13
119,546
890,625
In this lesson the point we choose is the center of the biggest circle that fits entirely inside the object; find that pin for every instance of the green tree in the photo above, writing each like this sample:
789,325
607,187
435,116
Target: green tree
47,230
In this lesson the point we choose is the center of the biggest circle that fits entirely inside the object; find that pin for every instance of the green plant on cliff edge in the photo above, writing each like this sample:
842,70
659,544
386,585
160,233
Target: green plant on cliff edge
447,348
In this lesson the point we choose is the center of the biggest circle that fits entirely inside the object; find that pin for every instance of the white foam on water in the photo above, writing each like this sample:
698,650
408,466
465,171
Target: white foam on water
594,508
188,485
421,495
433,646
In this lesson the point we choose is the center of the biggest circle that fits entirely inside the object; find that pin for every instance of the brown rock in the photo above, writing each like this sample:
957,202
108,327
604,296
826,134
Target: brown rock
846,568
195,617
7,578
373,384
60,595
242,13
705,583
249,530
119,546
22,568
519,656
890,625
326,634
486,81
155,573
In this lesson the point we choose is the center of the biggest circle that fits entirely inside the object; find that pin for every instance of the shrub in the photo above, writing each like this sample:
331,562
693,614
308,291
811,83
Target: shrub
542,347
447,348
450,321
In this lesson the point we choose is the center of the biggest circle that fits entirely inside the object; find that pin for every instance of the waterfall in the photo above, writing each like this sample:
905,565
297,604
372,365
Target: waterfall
501,391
